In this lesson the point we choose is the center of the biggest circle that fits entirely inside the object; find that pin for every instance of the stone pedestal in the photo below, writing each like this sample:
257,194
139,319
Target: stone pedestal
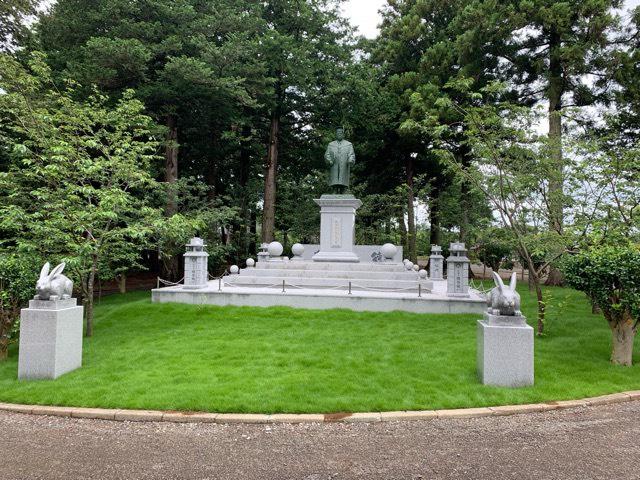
436,263
196,273
50,339
337,228
505,351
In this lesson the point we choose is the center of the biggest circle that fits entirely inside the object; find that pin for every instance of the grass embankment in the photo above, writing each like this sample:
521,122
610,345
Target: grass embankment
232,359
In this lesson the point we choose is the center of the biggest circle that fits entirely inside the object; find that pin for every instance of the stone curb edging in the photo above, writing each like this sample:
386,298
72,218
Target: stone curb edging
227,418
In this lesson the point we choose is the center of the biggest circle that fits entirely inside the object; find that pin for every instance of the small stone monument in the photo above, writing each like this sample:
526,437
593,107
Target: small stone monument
50,329
457,271
436,263
505,341
263,254
196,273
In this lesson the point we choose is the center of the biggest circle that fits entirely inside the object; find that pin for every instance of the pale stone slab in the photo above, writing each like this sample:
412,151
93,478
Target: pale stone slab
242,418
608,399
517,409
465,413
562,404
408,415
363,417
50,339
138,415
186,417
505,354
634,394
17,408
52,411
94,413
296,418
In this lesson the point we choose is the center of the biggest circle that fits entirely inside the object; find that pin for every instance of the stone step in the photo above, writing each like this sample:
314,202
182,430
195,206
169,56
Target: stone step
322,266
348,274
326,283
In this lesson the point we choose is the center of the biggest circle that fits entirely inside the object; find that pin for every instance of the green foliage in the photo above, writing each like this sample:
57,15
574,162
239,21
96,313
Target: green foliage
610,276
18,275
78,183
13,16
494,247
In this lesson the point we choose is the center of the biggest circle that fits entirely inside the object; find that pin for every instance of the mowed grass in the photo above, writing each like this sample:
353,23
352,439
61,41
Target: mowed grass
237,359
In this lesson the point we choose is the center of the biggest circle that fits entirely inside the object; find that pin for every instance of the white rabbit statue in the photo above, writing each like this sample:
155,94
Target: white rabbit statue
504,300
54,285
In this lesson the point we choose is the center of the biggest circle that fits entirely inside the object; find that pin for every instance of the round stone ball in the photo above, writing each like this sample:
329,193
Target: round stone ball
416,267
285,259
389,250
297,249
251,262
409,265
234,269
423,274
405,261
275,249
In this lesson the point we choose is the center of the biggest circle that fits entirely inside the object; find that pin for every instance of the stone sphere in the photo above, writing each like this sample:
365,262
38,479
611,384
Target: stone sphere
234,269
409,265
405,261
251,262
285,259
423,274
275,249
389,250
297,249
416,267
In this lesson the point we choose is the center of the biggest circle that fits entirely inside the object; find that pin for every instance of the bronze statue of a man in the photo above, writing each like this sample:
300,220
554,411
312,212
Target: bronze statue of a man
340,156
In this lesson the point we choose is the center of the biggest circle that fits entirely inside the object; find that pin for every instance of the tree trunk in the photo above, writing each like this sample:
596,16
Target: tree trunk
622,336
4,348
411,217
243,180
434,220
403,232
171,162
122,283
89,303
270,171
556,168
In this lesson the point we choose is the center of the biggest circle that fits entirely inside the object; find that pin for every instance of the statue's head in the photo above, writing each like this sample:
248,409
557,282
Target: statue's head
340,133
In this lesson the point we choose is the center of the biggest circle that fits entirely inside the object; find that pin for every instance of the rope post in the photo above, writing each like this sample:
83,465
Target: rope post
349,288
157,282
419,290
283,291
220,284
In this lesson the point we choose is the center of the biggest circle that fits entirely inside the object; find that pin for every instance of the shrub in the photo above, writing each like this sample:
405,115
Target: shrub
610,276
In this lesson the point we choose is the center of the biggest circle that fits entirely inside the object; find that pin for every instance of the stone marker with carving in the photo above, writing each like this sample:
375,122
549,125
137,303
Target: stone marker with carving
505,341
50,329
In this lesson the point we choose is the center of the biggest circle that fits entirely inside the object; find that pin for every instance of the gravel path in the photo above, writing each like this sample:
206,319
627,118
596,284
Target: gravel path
587,443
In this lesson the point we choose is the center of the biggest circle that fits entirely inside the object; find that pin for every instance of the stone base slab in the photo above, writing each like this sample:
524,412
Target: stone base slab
50,339
505,354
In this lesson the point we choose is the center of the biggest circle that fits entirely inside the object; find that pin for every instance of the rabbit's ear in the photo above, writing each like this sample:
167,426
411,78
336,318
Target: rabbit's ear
45,270
512,283
57,271
497,280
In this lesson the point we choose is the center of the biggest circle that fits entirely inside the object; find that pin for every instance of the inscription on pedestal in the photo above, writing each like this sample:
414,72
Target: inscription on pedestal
336,233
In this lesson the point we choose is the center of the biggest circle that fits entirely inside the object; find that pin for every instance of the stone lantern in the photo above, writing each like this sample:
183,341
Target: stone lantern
457,271
196,274
436,263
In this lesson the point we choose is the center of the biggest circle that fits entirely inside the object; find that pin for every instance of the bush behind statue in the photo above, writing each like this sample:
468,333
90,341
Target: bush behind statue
18,274
610,276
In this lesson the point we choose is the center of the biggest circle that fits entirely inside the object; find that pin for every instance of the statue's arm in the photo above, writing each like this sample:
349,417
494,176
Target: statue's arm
352,156
328,157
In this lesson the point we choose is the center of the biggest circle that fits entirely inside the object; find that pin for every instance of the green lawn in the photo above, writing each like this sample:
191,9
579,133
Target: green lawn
232,359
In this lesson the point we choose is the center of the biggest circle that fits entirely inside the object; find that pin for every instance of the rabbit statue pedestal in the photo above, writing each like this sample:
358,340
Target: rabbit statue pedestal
505,351
50,339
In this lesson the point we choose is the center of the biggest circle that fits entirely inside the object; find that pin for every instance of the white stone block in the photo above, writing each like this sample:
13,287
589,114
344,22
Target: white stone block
50,339
505,352
337,228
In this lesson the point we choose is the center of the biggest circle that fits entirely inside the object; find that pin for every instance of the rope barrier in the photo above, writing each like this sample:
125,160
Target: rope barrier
167,282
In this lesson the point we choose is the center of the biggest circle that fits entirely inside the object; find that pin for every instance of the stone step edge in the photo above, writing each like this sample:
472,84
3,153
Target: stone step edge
226,418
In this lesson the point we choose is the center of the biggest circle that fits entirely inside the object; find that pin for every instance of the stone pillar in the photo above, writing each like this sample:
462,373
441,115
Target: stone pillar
263,254
196,273
457,271
50,339
337,228
436,263
505,351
